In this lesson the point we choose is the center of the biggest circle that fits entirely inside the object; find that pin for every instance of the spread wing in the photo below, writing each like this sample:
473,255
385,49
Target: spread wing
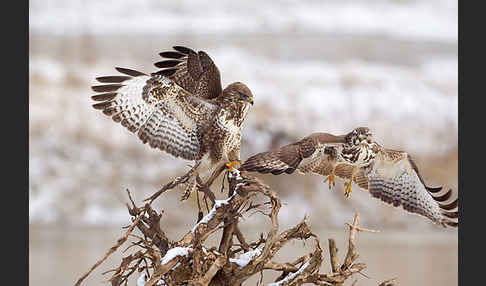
162,113
394,178
303,155
193,71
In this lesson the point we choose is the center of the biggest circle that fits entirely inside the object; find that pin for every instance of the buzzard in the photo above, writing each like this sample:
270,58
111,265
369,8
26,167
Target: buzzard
389,175
180,109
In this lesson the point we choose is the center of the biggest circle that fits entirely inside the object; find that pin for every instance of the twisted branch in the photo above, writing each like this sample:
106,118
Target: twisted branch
235,260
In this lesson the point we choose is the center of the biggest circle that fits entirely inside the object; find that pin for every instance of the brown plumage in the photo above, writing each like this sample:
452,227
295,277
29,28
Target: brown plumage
389,175
302,155
193,71
318,151
181,109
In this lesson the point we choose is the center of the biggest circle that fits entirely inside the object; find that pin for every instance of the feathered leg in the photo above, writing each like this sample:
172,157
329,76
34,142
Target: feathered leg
348,189
177,181
331,179
202,187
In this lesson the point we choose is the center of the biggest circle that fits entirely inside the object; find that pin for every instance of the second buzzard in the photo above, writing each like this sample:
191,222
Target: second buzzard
389,175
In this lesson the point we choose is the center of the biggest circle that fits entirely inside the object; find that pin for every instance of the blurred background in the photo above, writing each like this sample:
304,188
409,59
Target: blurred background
312,65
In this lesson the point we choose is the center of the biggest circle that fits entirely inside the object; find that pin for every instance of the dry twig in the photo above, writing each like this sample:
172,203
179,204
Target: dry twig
390,282
110,251
189,261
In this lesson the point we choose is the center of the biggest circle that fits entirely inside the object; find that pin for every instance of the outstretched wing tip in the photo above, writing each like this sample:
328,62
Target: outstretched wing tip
450,206
171,55
183,49
441,198
434,189
193,71
167,63
106,87
104,96
452,224
408,189
112,79
130,72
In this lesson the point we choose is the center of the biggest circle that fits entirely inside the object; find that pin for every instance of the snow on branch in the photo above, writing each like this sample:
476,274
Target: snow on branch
188,261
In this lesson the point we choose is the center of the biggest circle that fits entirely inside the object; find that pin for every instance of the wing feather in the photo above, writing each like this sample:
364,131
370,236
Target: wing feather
311,154
104,96
285,159
163,114
193,71
394,178
129,72
276,162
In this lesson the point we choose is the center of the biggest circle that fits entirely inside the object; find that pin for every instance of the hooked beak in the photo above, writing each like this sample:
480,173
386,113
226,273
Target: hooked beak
251,100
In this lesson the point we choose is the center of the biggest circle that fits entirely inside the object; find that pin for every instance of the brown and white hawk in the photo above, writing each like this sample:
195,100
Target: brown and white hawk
181,109
389,175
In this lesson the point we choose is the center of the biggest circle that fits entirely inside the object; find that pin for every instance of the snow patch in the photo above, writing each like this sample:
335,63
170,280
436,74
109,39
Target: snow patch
209,216
174,252
246,257
291,276
142,279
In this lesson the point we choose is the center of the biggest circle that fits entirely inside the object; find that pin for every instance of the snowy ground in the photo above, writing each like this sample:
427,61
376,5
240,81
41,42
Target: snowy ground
312,66
407,19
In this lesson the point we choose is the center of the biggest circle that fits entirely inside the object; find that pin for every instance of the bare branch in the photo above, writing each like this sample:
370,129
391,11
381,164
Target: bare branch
390,282
173,184
215,267
333,254
110,251
188,261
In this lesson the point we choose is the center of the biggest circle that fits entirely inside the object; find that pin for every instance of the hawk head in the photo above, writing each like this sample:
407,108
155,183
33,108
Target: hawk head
237,99
238,92
360,135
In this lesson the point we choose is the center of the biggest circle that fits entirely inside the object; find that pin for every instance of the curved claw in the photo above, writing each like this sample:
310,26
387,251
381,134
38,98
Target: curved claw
331,179
232,164
347,191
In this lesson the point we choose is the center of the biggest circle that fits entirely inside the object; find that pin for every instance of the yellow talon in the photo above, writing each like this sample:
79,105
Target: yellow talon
347,191
331,179
230,165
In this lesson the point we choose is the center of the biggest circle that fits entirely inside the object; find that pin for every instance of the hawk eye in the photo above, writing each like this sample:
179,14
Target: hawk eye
241,94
